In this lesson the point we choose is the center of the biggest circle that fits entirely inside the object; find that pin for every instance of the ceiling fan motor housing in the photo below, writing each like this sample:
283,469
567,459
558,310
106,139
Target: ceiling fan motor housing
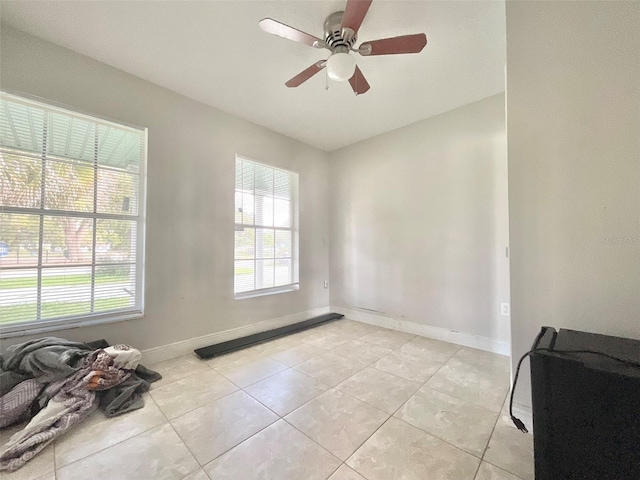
340,35
335,39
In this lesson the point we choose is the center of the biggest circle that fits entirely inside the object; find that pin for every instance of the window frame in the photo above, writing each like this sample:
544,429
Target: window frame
82,320
294,229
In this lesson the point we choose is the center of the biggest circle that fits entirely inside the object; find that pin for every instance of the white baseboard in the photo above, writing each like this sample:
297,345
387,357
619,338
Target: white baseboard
184,347
459,338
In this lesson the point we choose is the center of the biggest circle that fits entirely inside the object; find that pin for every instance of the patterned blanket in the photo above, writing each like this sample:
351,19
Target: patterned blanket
15,405
71,401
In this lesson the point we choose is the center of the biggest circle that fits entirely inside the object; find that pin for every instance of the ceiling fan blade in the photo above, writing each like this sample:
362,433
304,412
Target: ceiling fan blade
306,74
359,83
354,14
390,46
274,27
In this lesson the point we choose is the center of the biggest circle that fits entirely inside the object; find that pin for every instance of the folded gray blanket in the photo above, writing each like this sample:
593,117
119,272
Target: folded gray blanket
47,359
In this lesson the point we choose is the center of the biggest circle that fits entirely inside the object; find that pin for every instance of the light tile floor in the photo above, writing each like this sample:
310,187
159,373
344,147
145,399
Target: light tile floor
343,401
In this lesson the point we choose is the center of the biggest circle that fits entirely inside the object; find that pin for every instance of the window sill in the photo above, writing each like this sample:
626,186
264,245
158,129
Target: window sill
33,328
267,291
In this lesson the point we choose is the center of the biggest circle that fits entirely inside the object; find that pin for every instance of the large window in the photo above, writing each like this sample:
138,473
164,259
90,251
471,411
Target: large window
266,237
71,217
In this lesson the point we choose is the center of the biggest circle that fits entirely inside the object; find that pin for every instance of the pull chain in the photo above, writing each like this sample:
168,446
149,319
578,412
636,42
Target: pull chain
326,79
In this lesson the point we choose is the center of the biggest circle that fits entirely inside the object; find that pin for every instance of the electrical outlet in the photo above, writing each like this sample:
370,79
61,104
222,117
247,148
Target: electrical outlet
326,284
505,309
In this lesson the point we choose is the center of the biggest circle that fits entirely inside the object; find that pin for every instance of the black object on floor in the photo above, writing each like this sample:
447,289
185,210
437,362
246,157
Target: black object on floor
586,395
250,340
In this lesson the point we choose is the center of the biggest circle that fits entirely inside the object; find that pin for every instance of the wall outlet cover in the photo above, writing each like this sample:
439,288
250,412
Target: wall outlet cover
505,309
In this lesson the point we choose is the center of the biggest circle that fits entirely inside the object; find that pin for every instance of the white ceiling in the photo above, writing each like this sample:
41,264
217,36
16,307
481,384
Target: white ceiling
214,52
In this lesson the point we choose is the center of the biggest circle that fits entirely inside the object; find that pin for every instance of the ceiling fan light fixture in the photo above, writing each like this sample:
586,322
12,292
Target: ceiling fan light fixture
341,66
340,34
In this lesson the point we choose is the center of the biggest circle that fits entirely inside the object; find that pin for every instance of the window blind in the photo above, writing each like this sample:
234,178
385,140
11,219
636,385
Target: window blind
266,233
71,222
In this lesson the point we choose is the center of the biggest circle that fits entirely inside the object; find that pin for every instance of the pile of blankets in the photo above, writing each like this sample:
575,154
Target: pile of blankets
57,384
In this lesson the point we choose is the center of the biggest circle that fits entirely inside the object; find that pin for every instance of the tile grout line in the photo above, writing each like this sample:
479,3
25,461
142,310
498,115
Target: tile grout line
201,466
199,406
238,386
486,447
443,440
312,440
494,425
431,434
168,422
237,444
338,468
151,389
329,389
362,444
252,383
335,387
242,389
492,432
261,430
188,450
345,358
461,399
364,401
422,384
455,396
302,405
436,437
279,417
504,469
178,435
264,405
282,417
300,343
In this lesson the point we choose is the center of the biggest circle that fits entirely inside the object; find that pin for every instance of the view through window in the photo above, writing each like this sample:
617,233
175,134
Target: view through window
71,216
266,236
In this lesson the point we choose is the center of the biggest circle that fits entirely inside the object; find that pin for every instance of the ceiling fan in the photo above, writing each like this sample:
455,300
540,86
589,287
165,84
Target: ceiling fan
340,35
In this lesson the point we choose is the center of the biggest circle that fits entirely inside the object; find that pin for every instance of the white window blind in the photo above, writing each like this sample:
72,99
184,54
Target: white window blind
71,217
266,233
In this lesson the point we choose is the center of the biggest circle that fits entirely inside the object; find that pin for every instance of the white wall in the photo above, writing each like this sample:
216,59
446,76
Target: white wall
189,255
573,121
419,222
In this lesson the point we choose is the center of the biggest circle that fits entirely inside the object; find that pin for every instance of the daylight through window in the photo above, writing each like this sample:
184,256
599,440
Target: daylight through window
266,233
71,216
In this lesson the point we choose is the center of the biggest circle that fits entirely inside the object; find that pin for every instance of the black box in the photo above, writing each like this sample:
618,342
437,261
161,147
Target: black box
586,407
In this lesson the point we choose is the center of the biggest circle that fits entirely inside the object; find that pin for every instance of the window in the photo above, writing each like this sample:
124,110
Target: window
71,217
266,236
